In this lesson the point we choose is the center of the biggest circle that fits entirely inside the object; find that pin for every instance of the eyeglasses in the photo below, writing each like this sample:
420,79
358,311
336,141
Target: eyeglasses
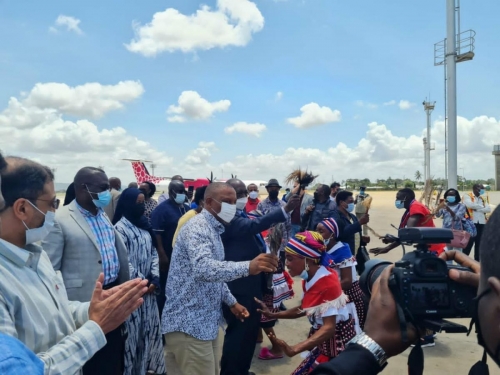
54,203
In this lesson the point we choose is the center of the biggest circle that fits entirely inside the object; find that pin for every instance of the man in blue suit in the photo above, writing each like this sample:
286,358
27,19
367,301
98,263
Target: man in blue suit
242,241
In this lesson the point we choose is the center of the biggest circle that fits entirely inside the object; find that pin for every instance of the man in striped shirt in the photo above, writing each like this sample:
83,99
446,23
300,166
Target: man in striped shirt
34,306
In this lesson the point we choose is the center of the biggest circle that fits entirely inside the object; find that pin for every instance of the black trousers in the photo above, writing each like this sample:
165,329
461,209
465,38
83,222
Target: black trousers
162,298
110,360
241,338
476,242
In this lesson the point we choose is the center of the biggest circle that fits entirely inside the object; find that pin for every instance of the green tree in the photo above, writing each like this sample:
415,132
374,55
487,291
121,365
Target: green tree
418,176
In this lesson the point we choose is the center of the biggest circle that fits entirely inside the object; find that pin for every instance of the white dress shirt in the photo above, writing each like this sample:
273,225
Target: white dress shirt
479,208
34,308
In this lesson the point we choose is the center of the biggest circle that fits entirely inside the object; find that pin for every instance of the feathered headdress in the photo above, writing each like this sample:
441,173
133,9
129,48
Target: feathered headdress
304,178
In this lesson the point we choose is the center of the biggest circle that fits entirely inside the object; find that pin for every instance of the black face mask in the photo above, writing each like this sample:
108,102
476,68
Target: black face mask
138,210
273,194
495,356
316,197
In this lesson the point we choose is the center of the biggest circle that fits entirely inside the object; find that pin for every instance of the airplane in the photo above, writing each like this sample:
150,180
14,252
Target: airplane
142,174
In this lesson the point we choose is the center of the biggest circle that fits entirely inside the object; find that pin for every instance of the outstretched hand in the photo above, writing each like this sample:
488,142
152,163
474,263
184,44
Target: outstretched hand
264,310
287,349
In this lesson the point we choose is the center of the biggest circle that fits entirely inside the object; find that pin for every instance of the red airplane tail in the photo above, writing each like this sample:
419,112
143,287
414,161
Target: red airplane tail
142,174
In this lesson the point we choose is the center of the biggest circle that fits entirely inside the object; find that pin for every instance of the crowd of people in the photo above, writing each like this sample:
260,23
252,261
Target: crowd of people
114,282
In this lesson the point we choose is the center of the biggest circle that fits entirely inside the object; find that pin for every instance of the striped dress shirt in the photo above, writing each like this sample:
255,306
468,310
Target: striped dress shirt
105,236
34,308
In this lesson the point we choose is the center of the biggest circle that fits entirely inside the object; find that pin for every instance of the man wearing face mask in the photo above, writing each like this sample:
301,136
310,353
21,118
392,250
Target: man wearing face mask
196,286
253,198
477,207
321,208
84,243
164,220
243,242
349,225
368,352
34,303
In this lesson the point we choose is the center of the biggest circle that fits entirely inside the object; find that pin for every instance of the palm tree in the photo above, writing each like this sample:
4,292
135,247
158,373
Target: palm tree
418,175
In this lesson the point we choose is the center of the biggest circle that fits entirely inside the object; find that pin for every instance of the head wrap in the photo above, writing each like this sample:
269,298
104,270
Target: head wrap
331,225
309,245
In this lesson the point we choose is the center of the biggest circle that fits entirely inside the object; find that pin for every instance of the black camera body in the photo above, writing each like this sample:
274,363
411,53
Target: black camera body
420,282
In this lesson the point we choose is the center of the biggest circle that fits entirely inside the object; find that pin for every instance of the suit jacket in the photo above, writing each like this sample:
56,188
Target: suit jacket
347,230
242,244
307,200
111,207
73,250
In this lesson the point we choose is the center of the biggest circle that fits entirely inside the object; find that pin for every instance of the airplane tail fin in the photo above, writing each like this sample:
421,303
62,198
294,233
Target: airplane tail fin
141,172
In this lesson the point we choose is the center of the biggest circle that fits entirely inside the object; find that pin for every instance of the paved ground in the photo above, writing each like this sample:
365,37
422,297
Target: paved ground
453,353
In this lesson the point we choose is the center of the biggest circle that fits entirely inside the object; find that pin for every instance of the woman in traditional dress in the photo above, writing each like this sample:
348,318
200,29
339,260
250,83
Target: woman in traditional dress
149,190
143,348
324,303
344,263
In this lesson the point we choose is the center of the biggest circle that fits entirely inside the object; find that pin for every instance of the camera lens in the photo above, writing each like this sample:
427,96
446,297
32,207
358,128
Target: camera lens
373,269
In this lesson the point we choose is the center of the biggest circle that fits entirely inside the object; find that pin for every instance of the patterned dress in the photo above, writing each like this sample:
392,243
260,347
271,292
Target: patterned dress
144,347
342,258
150,204
323,297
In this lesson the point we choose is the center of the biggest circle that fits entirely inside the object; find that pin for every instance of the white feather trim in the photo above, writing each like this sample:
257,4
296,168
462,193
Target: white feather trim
338,303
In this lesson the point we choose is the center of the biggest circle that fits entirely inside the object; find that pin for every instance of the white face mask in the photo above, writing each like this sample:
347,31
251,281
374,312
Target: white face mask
241,203
39,234
227,212
253,194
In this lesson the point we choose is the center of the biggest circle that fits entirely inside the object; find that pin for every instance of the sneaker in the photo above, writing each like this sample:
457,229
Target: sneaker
426,343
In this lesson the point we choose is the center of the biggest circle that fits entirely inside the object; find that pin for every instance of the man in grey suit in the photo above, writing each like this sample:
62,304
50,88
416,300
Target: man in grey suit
116,187
82,244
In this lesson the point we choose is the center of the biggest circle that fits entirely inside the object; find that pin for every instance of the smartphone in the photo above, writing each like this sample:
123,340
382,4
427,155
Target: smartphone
191,189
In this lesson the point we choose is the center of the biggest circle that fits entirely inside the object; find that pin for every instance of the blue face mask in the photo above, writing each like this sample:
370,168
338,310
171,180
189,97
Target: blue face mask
400,204
481,192
103,198
180,198
451,199
350,207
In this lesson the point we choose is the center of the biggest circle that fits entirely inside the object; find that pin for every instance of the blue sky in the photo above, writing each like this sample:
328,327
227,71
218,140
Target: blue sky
351,57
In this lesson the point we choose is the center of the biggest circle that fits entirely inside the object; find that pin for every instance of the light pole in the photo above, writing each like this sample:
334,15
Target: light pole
448,53
428,107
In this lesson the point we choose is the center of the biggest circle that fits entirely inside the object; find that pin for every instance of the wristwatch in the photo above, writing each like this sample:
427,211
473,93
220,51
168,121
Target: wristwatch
367,342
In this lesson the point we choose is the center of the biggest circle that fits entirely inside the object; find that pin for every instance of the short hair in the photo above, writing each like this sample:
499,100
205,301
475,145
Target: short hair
24,178
215,187
252,184
334,185
199,194
477,186
490,247
409,193
458,199
152,187
82,175
325,189
342,196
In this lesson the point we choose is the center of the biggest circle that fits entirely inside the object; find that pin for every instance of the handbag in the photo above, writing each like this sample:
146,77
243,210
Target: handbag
362,257
460,238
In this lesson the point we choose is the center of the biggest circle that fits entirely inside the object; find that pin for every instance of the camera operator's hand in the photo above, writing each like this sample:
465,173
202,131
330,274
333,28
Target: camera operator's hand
387,239
382,323
463,277
380,250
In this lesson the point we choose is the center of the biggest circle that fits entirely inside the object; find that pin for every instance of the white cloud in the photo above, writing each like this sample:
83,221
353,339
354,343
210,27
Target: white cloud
91,99
201,155
192,106
35,127
278,96
390,102
361,103
255,129
232,23
380,154
313,115
68,22
405,104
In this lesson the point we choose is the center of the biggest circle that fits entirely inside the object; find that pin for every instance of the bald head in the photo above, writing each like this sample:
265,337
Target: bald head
177,177
239,187
89,182
115,183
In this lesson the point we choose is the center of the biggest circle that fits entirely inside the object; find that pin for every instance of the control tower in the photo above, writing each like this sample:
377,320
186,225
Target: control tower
496,152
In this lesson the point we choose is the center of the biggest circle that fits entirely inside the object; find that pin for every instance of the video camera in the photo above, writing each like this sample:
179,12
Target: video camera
420,284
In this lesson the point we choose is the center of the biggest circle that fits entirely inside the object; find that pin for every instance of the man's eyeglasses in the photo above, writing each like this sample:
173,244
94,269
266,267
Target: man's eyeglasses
54,203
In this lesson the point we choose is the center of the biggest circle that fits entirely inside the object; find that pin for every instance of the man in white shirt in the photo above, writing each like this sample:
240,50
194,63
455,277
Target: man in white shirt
34,306
477,207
